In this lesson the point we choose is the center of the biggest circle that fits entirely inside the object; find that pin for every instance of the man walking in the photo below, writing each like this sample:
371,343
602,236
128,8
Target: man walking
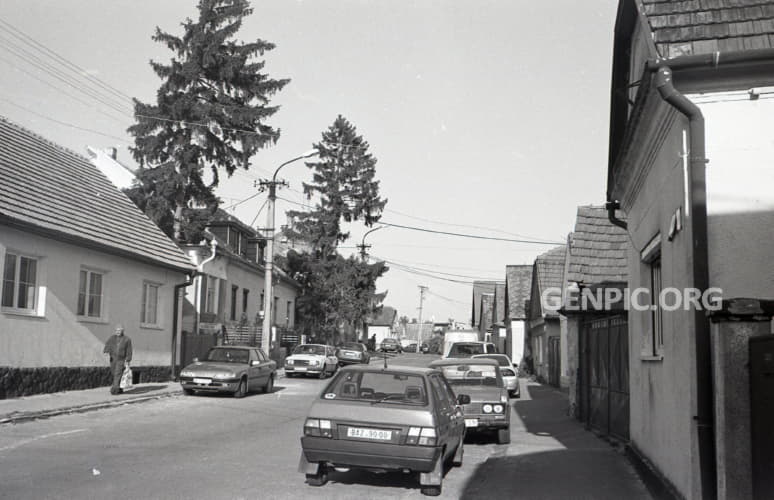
119,347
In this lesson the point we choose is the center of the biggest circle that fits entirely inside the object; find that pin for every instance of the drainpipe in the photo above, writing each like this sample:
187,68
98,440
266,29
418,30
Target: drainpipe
698,222
611,207
176,310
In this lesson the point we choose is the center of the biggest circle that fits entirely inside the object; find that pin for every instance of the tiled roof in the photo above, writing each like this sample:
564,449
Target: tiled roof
61,194
704,26
598,248
386,317
498,305
480,287
518,282
221,216
549,268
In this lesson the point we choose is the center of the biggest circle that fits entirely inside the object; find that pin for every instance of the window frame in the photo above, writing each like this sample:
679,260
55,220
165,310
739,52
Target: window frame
85,316
38,305
651,258
146,284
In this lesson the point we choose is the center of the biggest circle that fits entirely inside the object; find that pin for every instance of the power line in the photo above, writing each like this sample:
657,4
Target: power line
469,235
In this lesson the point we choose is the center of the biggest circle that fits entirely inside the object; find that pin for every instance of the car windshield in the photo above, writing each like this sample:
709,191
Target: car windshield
501,359
465,350
309,349
389,341
352,346
227,355
378,387
472,374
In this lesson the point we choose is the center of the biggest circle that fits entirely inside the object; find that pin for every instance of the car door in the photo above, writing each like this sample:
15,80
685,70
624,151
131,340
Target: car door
254,375
459,422
446,414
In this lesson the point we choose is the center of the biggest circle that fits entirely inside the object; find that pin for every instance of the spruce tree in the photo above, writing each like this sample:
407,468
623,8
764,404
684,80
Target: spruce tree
209,113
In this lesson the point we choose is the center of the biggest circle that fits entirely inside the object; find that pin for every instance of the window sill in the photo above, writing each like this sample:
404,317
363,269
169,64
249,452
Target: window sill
146,326
23,312
648,357
87,319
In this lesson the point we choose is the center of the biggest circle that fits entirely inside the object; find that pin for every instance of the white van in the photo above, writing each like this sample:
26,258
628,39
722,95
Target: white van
452,336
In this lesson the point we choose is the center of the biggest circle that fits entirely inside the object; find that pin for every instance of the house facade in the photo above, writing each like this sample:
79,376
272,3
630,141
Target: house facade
518,285
690,165
78,258
479,288
546,325
499,331
381,326
485,316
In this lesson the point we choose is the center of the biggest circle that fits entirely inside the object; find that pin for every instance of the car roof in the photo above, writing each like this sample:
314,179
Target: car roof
463,361
489,355
416,370
245,347
317,345
471,342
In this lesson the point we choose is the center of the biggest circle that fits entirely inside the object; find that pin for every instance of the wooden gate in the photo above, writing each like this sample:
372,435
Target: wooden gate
604,380
554,361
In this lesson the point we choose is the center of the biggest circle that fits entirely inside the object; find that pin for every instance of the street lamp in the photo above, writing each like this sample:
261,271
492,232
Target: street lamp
362,246
268,294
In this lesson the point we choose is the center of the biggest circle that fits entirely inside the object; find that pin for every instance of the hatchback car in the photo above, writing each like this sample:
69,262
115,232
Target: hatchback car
482,381
312,359
233,369
390,345
353,352
376,418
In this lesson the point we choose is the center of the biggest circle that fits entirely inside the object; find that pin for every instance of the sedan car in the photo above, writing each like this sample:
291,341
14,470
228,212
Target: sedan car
353,352
380,419
509,372
312,359
482,381
390,345
233,369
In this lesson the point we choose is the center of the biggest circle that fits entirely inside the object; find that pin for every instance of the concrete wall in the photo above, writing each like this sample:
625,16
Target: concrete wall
57,337
662,398
515,340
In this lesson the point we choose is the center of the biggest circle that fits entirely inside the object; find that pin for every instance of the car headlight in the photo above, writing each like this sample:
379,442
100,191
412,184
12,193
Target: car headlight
498,408
314,362
223,375
186,373
288,361
487,408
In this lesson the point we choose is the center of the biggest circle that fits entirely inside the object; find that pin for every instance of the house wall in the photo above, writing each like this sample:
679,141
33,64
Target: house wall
572,327
564,374
662,398
515,340
58,338
381,332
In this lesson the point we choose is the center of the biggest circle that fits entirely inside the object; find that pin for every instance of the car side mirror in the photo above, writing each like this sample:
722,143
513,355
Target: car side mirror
463,399
196,360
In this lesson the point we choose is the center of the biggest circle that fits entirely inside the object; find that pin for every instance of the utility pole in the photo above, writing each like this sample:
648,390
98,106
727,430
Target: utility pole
363,247
422,289
268,293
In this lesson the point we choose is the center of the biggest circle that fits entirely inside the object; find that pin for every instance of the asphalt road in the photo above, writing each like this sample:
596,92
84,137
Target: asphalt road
211,447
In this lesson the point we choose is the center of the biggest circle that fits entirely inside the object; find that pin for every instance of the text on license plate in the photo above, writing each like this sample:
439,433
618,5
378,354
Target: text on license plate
471,422
300,368
369,433
202,380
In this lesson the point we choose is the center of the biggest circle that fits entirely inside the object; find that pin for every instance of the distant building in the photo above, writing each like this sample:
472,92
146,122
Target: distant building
518,285
546,331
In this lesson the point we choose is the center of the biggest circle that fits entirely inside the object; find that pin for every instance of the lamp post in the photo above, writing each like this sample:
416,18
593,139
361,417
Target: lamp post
362,246
268,294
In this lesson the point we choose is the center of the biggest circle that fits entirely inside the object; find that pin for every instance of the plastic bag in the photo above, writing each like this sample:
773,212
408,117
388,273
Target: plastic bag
126,379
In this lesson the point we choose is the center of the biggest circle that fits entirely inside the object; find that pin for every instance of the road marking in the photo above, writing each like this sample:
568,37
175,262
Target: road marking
38,438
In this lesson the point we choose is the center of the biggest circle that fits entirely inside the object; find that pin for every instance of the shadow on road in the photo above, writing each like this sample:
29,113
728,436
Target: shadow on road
145,389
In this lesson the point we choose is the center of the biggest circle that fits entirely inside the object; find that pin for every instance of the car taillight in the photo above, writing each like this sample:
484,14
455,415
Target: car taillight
423,436
317,427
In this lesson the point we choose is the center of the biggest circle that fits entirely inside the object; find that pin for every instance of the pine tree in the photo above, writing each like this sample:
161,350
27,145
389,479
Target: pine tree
344,180
209,113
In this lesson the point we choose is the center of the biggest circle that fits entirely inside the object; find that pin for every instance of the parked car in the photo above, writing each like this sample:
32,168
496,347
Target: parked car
411,347
390,345
508,370
233,369
424,348
312,359
353,352
467,349
482,381
395,418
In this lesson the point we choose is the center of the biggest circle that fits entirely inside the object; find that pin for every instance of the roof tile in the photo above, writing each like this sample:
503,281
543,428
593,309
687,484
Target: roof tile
518,284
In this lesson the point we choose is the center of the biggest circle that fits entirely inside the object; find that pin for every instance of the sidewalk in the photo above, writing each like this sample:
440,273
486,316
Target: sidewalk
551,455
18,410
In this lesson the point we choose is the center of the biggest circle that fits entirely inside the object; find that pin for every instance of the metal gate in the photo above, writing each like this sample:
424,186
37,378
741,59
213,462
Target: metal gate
605,376
554,361
195,346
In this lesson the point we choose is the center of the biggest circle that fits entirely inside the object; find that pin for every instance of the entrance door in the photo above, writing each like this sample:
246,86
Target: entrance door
605,376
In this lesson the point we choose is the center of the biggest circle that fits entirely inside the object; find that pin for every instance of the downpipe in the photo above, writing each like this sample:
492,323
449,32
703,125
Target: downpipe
705,404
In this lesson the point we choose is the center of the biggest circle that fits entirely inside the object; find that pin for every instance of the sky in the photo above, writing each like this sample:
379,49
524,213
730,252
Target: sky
487,118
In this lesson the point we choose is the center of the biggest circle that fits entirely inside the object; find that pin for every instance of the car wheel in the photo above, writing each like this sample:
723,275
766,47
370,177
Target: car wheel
241,389
431,491
290,374
269,387
318,479
504,435
188,392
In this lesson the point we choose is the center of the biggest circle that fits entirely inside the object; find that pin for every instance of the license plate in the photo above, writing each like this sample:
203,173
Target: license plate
471,422
369,433
202,380
300,368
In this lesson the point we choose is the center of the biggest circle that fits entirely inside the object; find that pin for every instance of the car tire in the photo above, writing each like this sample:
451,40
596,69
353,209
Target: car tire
318,479
504,436
431,491
241,390
188,392
269,387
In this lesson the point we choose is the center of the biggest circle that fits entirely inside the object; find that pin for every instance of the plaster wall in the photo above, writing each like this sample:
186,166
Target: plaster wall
740,193
662,398
515,342
564,372
573,334
56,336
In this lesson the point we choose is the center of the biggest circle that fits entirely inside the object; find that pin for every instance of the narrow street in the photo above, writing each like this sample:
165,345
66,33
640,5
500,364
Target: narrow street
214,447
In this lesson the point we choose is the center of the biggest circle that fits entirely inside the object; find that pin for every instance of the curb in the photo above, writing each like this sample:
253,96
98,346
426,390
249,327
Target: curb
16,418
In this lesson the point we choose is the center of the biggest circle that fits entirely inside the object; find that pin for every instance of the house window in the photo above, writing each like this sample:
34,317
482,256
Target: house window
234,290
20,282
651,257
90,294
245,295
150,304
274,310
288,314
